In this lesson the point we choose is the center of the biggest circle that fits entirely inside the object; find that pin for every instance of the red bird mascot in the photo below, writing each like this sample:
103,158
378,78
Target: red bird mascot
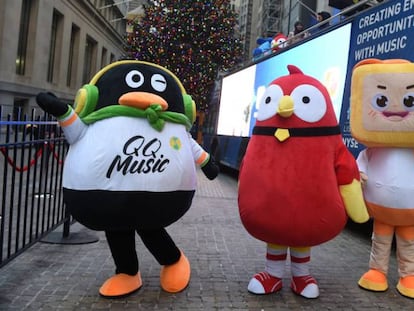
278,42
298,181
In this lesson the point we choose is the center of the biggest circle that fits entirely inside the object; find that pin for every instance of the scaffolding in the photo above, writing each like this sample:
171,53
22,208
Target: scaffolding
272,12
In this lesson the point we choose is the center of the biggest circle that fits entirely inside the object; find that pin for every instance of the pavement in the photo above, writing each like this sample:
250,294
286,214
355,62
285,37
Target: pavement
223,256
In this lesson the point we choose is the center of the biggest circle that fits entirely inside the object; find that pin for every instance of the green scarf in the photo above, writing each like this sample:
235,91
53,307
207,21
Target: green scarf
154,114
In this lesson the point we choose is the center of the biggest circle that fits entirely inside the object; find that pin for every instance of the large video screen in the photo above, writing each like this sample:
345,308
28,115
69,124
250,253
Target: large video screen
325,58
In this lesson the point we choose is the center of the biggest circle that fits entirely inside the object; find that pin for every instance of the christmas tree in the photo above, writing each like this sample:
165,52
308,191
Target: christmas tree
193,39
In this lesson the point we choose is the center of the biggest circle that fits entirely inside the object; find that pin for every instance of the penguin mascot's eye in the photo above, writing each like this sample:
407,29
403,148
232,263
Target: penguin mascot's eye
158,82
310,104
269,103
134,79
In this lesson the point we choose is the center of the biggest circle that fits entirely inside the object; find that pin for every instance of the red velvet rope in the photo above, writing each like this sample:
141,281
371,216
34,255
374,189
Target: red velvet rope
55,155
38,154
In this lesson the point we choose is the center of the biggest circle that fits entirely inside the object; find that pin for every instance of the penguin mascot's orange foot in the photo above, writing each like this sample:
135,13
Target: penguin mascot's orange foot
174,278
121,285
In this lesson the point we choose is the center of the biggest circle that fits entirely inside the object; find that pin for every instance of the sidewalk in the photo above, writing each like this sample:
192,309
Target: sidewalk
223,258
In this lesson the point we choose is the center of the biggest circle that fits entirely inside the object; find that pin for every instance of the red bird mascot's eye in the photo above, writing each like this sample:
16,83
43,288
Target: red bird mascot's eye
298,182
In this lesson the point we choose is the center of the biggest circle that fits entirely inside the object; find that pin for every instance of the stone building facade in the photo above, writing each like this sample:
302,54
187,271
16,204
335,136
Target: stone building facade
55,45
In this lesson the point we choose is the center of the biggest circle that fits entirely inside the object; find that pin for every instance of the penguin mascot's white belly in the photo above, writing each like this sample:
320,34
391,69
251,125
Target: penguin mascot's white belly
122,173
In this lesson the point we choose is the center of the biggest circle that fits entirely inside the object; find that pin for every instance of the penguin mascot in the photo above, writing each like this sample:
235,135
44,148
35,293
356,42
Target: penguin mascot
131,167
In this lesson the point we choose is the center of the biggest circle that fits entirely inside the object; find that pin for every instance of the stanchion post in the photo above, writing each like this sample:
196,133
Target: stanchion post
67,237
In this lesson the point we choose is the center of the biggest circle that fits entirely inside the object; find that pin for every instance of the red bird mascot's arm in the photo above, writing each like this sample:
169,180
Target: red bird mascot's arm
350,186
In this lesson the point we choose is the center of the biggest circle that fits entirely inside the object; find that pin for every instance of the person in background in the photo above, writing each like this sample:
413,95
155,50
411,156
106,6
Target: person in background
322,16
297,33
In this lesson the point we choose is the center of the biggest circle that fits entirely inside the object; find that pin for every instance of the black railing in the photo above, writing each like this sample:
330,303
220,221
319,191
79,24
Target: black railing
32,151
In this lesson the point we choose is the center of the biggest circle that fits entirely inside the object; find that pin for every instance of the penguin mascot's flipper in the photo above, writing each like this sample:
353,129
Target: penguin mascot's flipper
51,104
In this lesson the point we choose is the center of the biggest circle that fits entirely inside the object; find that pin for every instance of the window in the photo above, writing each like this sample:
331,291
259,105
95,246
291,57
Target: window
104,57
73,56
55,46
20,106
89,66
23,37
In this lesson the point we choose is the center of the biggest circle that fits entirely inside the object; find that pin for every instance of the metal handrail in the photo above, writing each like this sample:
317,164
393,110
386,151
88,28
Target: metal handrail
328,20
